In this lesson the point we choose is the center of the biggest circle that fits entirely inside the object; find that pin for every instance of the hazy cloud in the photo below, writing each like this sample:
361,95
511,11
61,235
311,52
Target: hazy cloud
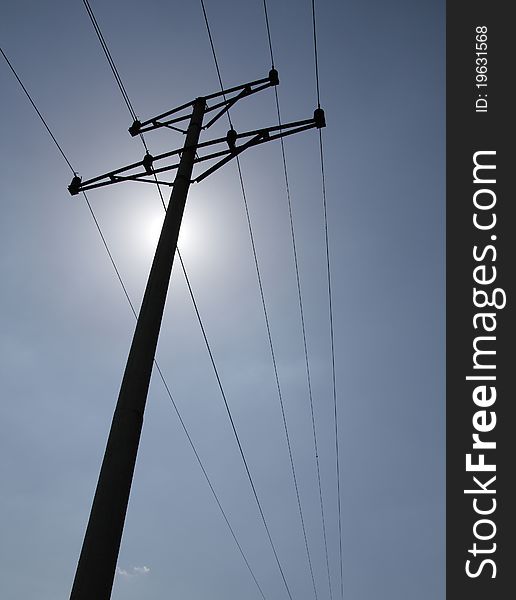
141,570
134,572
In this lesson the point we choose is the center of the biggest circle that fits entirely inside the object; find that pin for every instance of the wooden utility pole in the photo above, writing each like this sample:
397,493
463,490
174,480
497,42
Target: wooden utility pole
97,563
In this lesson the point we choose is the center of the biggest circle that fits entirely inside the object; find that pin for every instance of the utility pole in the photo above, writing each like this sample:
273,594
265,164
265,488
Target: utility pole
97,562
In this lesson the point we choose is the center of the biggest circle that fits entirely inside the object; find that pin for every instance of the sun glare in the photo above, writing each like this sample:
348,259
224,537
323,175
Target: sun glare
185,235
152,228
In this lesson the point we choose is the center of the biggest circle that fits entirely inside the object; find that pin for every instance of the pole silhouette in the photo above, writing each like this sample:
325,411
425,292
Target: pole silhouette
97,562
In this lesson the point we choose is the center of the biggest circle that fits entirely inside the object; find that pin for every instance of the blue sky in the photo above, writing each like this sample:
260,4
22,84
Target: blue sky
66,327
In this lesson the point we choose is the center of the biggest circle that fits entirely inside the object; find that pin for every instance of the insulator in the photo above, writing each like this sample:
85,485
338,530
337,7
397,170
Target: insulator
231,138
74,187
135,128
319,119
147,163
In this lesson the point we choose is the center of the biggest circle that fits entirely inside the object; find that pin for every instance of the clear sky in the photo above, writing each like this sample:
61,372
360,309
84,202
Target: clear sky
66,327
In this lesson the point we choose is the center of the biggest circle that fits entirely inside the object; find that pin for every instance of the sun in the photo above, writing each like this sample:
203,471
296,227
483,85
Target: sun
185,235
151,230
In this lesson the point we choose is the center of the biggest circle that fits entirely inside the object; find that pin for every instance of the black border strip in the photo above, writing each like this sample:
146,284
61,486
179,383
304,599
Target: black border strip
471,408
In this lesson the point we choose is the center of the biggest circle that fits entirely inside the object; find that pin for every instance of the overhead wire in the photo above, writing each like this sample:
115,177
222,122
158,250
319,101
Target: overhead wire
214,56
37,111
303,326
109,58
265,311
237,437
268,32
332,342
316,58
330,297
118,79
133,310
112,64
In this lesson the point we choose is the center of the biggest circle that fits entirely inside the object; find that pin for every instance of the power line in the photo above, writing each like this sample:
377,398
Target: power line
304,339
242,454
209,482
114,69
215,59
271,348
332,338
330,306
133,310
37,111
303,327
262,296
268,32
315,56
109,58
